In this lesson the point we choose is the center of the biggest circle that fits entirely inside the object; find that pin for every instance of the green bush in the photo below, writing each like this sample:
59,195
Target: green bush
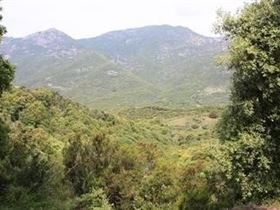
246,170
195,126
213,115
94,200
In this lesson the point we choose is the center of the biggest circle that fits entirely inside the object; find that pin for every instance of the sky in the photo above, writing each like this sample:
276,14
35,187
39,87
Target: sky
89,18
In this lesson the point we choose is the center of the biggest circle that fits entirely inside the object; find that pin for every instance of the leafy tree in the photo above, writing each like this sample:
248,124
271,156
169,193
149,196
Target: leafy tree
86,161
6,69
94,200
251,167
254,58
159,189
4,138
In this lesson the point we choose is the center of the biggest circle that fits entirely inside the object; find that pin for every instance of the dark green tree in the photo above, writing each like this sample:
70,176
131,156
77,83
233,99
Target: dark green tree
250,127
6,69
6,76
254,58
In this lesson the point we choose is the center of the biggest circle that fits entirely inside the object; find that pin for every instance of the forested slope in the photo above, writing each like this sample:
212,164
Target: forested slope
56,154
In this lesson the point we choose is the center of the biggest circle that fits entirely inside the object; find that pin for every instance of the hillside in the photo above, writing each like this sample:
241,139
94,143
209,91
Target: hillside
158,65
127,141
75,158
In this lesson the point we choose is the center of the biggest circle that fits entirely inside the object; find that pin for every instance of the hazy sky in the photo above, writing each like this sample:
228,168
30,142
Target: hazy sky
87,18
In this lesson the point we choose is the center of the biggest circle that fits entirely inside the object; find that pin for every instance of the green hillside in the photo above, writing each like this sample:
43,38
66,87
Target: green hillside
67,150
180,62
166,141
154,65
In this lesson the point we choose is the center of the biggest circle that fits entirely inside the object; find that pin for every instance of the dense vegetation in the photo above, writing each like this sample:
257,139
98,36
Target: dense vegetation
6,69
248,162
57,154
251,122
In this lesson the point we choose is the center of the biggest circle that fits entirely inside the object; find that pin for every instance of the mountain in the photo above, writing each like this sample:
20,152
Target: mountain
50,43
175,59
155,50
161,65
55,60
154,43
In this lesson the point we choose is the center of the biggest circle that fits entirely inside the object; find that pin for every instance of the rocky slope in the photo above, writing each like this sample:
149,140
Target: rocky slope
162,65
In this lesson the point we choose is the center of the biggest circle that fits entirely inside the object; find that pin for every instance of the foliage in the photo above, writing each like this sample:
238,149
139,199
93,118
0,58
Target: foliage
213,115
86,161
94,200
246,171
249,167
6,73
6,69
197,190
68,154
159,188
254,58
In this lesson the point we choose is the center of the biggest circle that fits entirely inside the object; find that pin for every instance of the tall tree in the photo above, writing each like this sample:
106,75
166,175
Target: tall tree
254,58
6,69
251,125
6,77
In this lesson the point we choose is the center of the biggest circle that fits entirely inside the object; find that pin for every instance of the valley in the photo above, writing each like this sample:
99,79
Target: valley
156,117
143,147
125,120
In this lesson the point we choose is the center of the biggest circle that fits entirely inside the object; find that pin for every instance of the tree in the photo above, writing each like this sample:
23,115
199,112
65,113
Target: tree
254,57
6,69
6,76
94,200
251,123
86,161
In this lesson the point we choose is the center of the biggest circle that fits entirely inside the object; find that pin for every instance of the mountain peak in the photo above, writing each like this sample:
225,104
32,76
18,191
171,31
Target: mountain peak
53,30
157,30
51,39
50,33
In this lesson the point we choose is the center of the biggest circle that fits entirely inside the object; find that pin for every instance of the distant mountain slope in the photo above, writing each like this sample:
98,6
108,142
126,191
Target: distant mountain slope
154,51
154,39
55,60
48,43
163,65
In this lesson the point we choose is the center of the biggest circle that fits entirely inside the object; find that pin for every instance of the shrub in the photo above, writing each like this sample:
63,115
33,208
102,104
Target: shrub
195,126
213,115
94,200
245,171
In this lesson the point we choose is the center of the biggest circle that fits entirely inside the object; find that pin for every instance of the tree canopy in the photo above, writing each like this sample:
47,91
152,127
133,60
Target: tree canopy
254,58
251,124
6,69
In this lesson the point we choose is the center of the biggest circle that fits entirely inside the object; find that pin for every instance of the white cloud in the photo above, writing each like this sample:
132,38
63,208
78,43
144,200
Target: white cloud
87,18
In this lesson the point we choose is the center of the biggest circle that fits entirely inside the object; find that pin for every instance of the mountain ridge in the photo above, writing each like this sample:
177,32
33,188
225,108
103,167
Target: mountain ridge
160,65
113,31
